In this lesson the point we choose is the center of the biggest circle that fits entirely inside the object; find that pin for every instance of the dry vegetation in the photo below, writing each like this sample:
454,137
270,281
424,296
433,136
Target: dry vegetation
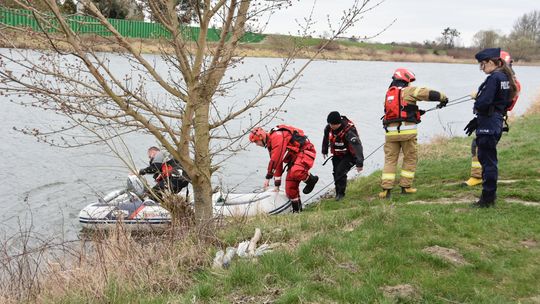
157,266
151,263
535,107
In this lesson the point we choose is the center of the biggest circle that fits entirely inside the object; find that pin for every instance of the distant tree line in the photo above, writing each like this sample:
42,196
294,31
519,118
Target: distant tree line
67,6
116,9
523,42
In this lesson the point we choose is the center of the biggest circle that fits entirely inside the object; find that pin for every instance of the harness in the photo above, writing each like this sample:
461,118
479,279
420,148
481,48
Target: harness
397,110
169,168
298,138
337,142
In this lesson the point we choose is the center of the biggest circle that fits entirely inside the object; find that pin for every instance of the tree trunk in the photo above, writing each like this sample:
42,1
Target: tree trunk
203,200
202,184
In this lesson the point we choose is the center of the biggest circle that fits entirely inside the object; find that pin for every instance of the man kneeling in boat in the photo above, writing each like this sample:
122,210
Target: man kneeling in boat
168,173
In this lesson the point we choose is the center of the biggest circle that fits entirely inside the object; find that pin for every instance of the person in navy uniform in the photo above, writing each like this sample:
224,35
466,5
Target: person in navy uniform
494,95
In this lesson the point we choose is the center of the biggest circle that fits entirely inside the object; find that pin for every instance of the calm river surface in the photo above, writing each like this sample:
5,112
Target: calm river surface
46,186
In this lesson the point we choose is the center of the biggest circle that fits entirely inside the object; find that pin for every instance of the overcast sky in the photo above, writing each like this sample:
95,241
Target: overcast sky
417,20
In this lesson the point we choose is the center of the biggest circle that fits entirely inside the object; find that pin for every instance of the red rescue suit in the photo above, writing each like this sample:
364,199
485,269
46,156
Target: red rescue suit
288,145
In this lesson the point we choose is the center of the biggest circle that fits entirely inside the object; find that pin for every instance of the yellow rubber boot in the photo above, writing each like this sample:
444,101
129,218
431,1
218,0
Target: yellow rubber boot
408,190
473,181
385,194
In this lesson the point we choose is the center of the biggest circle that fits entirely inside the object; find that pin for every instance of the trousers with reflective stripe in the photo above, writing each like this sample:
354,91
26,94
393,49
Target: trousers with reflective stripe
394,145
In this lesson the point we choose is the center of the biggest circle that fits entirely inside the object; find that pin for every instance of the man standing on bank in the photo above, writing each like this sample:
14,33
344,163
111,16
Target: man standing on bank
342,137
401,116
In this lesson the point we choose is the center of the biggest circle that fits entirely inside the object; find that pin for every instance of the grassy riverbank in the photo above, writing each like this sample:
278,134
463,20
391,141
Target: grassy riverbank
429,247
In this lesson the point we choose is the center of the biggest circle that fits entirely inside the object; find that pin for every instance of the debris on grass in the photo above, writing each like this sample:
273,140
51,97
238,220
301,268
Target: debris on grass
447,254
401,292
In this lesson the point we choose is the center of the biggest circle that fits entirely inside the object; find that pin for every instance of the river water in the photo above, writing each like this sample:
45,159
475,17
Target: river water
45,187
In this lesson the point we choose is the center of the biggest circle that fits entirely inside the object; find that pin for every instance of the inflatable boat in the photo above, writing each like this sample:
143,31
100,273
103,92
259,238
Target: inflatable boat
250,204
127,206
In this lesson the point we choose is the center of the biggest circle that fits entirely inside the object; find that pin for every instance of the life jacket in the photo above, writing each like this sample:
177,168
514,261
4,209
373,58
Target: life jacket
513,102
298,138
337,141
398,110
169,168
509,108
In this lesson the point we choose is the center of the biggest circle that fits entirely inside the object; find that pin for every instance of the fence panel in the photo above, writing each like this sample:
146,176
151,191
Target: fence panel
128,28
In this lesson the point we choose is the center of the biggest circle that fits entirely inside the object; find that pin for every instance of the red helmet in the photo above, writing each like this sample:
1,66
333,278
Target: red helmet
506,57
404,74
257,134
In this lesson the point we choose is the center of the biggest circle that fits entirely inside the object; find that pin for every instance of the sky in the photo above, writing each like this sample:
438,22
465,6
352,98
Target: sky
417,20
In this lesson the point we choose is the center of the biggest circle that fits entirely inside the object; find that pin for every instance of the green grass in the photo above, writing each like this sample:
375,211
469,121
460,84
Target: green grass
345,252
332,265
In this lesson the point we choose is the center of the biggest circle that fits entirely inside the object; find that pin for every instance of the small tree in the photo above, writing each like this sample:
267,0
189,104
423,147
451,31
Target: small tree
16,4
185,9
528,27
449,37
521,48
69,7
486,39
117,9
188,118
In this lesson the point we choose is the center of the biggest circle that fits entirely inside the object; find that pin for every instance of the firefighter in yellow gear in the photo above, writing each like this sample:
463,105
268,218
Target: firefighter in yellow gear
476,167
401,118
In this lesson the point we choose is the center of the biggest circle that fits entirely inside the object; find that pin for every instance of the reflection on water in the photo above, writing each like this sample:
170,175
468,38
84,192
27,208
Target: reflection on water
56,183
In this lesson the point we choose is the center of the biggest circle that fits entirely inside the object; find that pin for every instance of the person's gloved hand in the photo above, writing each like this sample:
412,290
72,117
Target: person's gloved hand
474,95
442,101
142,172
471,126
422,112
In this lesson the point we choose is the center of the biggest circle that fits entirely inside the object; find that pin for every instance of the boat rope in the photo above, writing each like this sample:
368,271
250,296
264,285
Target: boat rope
344,174
449,103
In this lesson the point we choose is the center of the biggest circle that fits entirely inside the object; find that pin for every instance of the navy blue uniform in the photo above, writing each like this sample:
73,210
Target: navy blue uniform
490,106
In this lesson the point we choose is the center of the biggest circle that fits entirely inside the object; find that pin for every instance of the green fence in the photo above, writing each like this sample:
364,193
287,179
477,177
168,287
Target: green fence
128,28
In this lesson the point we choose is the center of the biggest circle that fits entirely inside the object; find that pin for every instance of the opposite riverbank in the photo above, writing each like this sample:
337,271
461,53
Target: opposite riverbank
274,46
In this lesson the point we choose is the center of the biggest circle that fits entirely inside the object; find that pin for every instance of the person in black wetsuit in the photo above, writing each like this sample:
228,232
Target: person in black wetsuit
167,173
342,137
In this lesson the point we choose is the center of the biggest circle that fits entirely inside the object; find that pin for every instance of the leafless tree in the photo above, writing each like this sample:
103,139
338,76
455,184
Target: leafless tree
486,39
448,37
187,114
524,40
527,26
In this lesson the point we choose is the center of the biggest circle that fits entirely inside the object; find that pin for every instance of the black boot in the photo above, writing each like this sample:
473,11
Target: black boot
310,183
339,196
296,206
486,200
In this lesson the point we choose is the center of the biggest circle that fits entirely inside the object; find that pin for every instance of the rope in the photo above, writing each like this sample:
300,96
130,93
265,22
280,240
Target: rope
449,103
345,174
